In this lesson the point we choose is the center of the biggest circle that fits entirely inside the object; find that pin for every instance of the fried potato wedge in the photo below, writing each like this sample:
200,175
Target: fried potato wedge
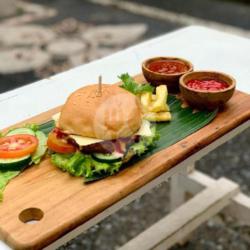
157,102
160,104
155,107
158,117
146,99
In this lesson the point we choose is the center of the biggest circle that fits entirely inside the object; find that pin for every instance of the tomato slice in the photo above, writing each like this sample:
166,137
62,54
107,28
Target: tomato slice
16,146
59,145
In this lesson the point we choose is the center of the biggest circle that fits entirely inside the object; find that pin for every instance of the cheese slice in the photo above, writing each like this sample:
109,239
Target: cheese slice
84,141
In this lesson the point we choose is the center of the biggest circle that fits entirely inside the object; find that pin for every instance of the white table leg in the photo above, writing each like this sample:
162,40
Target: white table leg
177,193
186,218
239,207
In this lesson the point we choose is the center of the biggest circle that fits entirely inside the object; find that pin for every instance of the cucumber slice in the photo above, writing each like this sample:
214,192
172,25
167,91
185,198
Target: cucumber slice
15,163
18,131
41,149
108,158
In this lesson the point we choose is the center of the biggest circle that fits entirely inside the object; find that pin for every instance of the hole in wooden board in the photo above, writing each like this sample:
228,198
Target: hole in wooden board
31,215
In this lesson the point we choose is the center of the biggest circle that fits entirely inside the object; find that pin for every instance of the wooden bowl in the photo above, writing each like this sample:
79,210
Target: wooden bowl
171,80
204,99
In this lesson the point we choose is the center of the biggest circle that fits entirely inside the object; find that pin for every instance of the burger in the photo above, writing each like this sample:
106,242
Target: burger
97,131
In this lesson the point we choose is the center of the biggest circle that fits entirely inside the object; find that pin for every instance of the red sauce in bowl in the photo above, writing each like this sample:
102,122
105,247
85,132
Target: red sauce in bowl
207,84
165,66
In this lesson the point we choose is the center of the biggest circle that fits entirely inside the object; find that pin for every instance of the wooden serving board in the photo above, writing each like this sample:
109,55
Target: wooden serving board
65,202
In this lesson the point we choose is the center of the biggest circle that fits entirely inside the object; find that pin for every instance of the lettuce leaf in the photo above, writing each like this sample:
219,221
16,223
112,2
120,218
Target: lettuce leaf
79,164
5,177
132,86
71,163
32,126
141,147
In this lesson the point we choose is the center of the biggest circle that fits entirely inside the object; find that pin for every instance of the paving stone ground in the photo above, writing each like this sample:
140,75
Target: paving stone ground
231,159
226,12
97,14
92,15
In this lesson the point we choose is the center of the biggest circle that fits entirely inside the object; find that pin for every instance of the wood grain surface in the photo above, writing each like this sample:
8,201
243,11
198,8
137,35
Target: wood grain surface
65,202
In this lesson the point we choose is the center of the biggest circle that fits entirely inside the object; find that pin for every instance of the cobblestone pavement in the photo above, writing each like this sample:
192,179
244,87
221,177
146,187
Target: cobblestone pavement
88,12
75,18
230,13
231,159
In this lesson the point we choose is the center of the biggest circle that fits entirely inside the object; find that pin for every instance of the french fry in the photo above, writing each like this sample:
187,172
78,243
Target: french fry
155,106
160,104
146,100
158,117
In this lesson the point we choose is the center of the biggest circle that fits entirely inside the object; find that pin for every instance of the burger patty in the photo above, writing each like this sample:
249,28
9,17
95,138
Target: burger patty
120,145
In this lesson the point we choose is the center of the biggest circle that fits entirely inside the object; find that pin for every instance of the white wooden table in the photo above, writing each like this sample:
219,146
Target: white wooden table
206,48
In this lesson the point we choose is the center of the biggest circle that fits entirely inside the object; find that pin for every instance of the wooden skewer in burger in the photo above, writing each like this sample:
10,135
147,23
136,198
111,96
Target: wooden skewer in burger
100,127
99,91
